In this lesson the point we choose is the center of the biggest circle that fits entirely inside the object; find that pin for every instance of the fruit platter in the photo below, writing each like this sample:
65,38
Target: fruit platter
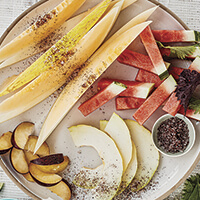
83,84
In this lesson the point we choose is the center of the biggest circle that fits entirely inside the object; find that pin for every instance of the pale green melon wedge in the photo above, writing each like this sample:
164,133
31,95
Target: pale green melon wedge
110,177
117,129
102,124
130,172
39,29
99,62
58,54
51,39
88,178
49,81
147,155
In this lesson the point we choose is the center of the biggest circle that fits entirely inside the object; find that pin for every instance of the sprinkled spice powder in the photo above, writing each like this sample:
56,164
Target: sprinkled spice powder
173,135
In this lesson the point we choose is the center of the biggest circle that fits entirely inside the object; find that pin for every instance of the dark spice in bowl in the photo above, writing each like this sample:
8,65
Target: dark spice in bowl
173,135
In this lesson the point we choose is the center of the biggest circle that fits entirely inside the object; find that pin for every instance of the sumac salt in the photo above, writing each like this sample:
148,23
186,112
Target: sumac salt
173,135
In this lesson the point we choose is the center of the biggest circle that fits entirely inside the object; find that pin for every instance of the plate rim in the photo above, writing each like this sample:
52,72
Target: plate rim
6,170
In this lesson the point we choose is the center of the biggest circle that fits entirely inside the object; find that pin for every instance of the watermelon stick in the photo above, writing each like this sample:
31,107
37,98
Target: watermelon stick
148,77
138,60
125,103
172,106
181,52
176,35
190,113
155,100
101,98
134,88
154,53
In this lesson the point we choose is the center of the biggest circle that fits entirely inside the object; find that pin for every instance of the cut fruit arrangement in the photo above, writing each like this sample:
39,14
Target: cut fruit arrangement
125,148
42,167
75,61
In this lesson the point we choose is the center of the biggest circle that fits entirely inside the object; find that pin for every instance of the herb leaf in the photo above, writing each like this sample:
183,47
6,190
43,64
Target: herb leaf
179,51
194,104
187,83
191,190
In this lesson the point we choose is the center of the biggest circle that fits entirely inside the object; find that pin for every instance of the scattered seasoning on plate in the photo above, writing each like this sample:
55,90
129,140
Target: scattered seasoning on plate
173,135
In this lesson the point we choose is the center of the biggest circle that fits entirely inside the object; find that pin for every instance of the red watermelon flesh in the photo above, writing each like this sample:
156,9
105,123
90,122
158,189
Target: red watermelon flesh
172,106
148,77
124,103
134,88
155,100
136,60
101,98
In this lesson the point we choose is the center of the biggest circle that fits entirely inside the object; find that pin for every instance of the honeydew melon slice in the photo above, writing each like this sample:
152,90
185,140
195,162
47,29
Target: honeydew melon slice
147,155
49,81
117,129
39,29
49,41
59,53
110,178
130,172
102,124
99,62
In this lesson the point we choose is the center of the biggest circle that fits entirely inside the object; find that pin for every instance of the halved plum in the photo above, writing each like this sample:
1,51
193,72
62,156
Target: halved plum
62,190
52,164
21,134
30,156
5,142
43,179
28,177
30,146
18,161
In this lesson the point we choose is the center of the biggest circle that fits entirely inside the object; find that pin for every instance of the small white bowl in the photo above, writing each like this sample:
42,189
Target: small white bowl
192,134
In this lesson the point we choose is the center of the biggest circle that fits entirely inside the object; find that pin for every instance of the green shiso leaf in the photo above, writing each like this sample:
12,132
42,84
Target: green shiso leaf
191,190
179,51
194,104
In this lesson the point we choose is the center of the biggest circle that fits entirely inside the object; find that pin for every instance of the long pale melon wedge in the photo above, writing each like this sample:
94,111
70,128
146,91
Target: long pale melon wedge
110,177
44,26
99,62
51,39
82,81
49,81
60,52
7,82
44,44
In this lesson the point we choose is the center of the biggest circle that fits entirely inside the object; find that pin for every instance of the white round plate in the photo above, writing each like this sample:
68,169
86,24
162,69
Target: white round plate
171,171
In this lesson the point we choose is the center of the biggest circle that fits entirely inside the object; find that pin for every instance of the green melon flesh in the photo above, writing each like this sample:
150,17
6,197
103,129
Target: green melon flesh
131,169
147,155
117,129
109,179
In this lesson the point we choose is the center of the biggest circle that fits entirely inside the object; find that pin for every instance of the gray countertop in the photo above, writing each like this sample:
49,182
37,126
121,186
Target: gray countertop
187,10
